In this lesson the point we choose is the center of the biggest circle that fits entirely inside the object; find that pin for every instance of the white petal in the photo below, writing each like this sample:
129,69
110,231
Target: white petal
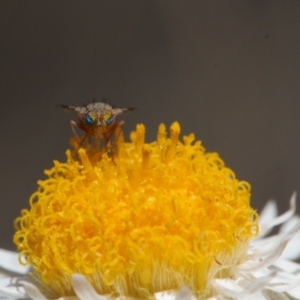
286,265
231,288
283,282
292,250
32,290
281,219
184,294
263,247
9,261
271,295
165,295
84,290
285,227
256,296
294,292
267,215
250,266
13,292
9,287
266,256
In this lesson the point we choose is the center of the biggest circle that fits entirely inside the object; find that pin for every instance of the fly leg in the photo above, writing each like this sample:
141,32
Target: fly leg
119,125
107,137
79,141
112,130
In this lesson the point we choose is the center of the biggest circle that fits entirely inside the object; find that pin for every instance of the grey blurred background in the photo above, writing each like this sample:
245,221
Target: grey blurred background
226,70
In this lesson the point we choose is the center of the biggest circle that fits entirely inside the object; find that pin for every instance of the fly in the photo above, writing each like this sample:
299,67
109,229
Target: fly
97,120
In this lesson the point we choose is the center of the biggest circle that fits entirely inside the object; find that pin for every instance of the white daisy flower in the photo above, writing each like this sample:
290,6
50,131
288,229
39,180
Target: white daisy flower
267,273
164,220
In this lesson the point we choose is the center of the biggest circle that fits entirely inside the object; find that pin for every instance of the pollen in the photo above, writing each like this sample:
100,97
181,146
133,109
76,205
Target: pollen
146,218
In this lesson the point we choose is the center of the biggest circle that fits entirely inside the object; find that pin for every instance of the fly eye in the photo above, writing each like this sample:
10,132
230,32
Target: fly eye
109,121
108,118
89,119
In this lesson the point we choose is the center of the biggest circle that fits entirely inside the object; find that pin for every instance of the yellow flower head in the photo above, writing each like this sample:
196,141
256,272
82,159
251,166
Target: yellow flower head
156,217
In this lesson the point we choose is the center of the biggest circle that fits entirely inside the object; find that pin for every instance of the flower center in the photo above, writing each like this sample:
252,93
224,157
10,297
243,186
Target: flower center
155,217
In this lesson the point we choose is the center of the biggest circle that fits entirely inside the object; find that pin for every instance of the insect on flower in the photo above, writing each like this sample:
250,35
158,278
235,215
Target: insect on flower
98,120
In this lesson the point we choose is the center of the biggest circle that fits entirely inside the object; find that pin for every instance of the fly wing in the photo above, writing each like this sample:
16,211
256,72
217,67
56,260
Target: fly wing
65,107
81,110
118,111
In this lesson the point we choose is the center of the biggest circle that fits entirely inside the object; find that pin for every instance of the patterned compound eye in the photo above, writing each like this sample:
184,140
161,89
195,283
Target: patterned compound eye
90,119
108,118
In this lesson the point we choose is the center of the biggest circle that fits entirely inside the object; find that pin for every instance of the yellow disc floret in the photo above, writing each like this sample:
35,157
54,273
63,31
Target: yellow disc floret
153,217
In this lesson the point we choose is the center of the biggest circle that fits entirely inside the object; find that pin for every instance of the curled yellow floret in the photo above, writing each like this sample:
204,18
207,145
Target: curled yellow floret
152,217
